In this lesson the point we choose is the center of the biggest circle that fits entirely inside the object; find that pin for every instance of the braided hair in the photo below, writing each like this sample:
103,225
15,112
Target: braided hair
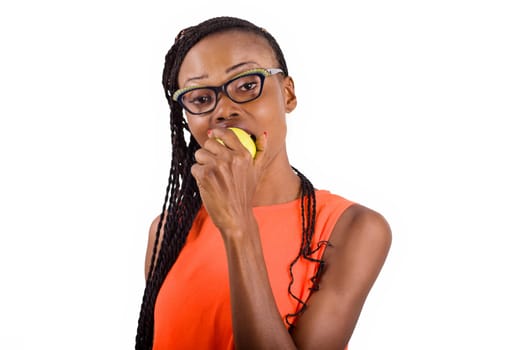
182,199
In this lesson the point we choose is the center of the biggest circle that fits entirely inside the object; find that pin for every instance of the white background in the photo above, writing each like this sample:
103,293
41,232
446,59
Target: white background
412,108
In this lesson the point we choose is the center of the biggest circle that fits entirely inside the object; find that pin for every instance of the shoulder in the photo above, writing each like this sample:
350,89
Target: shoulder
152,238
325,197
361,229
350,219
358,220
329,209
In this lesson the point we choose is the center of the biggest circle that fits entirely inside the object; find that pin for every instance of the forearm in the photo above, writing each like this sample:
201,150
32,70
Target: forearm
257,323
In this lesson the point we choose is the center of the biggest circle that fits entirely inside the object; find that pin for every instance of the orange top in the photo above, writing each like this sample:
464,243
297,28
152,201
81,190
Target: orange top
193,308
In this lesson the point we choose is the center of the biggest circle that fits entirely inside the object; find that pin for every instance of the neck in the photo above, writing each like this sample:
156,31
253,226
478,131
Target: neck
278,184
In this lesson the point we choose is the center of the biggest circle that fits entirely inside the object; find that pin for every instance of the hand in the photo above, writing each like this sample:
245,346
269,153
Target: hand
227,178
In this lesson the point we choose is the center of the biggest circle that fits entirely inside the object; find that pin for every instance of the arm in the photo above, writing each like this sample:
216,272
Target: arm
360,243
257,323
151,242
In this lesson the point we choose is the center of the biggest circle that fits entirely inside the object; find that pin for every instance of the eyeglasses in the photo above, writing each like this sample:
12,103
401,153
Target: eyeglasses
242,88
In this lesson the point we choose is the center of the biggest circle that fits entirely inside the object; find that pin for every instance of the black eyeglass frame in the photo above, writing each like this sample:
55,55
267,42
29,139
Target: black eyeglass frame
261,72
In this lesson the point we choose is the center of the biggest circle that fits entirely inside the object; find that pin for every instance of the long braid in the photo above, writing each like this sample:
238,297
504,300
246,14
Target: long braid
182,199
308,211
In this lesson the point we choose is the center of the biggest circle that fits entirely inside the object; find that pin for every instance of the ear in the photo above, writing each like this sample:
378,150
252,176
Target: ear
290,98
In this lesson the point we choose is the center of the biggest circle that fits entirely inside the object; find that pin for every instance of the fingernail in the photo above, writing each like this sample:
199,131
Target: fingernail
209,132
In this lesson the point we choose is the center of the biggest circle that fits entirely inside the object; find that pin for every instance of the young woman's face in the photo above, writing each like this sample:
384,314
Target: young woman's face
215,60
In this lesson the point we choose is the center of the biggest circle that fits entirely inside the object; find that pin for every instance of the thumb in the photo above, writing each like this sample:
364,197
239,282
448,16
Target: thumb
261,142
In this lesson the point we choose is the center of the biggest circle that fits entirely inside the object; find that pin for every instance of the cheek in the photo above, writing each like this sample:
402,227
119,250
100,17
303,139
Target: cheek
272,117
198,128
272,106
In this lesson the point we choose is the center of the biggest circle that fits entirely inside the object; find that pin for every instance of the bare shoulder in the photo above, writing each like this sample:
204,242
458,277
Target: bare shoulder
361,241
360,222
151,242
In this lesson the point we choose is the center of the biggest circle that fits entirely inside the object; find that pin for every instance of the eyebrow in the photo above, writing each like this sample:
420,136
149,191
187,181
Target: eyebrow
229,70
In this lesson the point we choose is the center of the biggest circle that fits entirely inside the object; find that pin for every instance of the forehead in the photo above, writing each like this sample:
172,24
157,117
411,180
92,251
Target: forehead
218,52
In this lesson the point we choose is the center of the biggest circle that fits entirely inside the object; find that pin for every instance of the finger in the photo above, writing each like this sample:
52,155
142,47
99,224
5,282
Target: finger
196,171
204,156
226,138
213,146
261,142
202,174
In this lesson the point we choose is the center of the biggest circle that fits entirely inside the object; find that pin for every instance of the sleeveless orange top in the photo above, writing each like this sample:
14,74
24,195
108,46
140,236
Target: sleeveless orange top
193,308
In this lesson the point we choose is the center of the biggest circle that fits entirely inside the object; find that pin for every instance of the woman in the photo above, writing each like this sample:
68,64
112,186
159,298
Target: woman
247,254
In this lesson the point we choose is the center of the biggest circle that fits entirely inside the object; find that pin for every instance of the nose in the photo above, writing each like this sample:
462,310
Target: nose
225,110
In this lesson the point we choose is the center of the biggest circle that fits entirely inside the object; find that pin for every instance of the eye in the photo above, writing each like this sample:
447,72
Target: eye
247,83
199,100
199,97
245,87
249,86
